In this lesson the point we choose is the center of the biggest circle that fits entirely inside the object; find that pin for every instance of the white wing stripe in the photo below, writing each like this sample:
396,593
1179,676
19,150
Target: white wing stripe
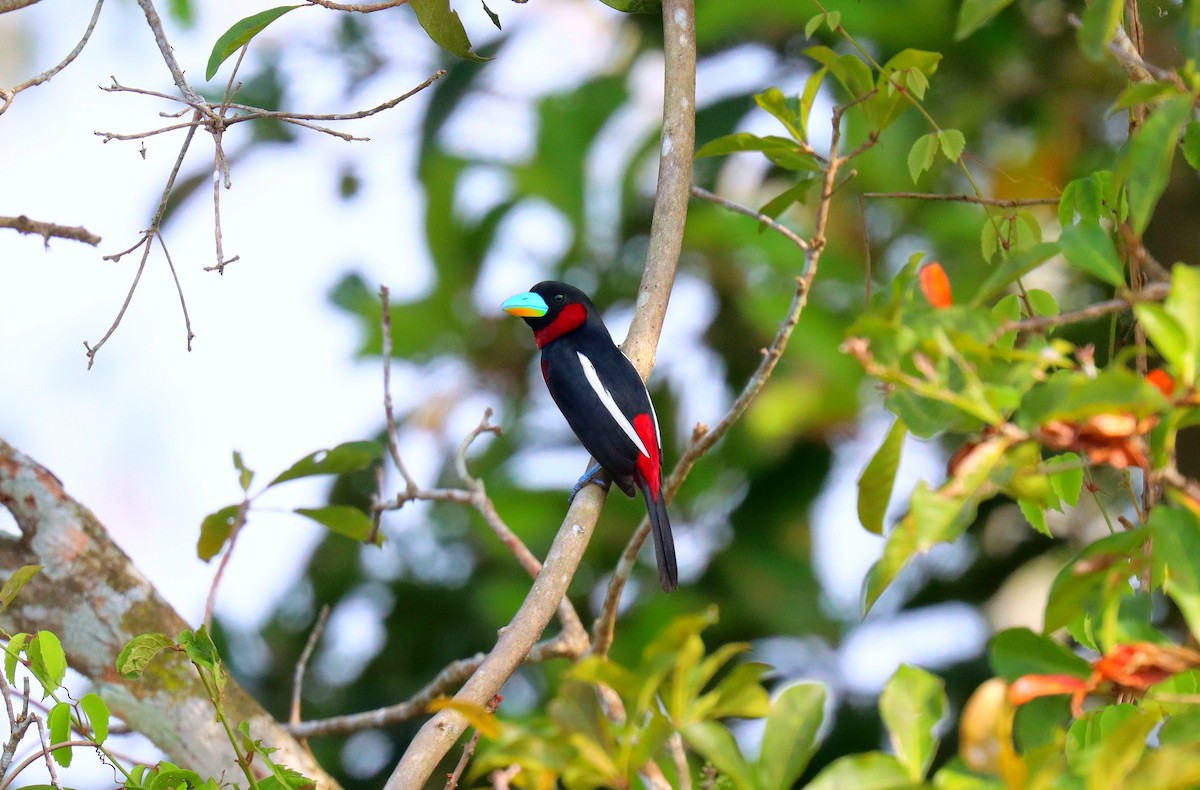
593,378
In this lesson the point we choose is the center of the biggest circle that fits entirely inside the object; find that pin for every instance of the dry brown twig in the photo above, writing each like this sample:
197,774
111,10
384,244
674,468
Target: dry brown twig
314,637
48,230
8,94
361,8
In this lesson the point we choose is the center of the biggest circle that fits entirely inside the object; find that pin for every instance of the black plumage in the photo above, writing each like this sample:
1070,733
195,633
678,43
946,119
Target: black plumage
603,399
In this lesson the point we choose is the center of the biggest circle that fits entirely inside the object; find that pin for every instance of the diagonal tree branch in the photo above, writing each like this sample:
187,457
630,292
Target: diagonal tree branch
440,733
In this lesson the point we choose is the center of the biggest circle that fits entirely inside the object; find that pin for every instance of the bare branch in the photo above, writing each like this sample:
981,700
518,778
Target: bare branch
187,321
981,201
763,219
239,521
1155,292
48,230
7,96
155,223
440,733
362,8
302,665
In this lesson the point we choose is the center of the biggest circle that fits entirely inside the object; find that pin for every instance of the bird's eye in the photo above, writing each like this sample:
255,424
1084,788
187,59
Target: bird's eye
558,298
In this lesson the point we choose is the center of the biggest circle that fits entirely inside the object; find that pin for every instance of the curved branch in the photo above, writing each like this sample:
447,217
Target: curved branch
440,733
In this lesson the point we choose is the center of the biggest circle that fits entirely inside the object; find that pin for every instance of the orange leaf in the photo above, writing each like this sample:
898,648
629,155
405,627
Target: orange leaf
1030,687
1161,380
936,286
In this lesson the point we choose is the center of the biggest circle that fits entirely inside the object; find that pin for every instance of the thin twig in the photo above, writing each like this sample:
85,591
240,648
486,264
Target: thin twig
48,230
762,219
187,321
982,201
411,487
451,676
46,750
1155,292
502,777
155,223
239,520
302,665
362,8
7,96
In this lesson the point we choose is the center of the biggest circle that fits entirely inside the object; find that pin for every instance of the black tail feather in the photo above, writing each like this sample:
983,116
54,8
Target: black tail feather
664,543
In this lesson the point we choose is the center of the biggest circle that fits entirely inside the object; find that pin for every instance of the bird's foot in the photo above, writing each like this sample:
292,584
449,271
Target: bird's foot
596,476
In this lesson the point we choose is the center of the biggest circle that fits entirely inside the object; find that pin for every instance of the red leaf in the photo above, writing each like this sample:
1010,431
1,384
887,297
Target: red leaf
1162,380
1030,687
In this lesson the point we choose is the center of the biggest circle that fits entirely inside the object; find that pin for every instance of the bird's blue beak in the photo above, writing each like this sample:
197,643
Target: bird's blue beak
526,305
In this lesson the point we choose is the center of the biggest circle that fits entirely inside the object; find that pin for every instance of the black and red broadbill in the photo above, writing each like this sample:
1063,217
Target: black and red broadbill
603,398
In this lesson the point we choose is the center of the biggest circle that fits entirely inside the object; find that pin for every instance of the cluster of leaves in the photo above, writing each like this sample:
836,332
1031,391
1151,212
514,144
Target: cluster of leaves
608,722
347,520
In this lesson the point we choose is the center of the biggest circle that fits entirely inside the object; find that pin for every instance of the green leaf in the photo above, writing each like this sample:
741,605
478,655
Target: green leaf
783,109
911,705
215,530
98,716
790,737
1012,268
1042,302
13,584
953,142
443,26
1145,166
922,154
878,478
1169,338
1191,144
59,721
974,14
866,771
812,87
183,12
635,6
936,516
1018,651
240,35
849,70
780,203
178,779
47,661
245,476
1035,515
1067,483
12,654
344,520
134,657
348,457
201,649
716,744
1176,559
1100,569
492,15
1089,248
1100,20
1182,305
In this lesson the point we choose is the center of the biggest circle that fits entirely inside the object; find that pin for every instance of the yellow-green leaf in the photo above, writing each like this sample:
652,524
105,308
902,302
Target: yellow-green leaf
878,478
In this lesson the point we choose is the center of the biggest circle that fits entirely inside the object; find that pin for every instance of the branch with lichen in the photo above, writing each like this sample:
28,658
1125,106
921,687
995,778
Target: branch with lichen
90,594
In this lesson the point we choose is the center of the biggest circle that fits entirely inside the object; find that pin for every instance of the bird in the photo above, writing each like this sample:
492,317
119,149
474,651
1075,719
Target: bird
604,400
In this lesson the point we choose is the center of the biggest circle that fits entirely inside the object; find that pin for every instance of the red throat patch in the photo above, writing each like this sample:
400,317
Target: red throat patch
570,319
650,467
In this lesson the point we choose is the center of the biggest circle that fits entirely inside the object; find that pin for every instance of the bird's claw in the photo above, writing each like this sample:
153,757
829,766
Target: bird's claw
594,475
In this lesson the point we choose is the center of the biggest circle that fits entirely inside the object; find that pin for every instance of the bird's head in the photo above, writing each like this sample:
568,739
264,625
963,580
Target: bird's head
551,309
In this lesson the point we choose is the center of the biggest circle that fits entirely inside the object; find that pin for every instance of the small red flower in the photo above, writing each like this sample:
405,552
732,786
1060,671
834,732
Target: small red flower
936,285
1162,381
